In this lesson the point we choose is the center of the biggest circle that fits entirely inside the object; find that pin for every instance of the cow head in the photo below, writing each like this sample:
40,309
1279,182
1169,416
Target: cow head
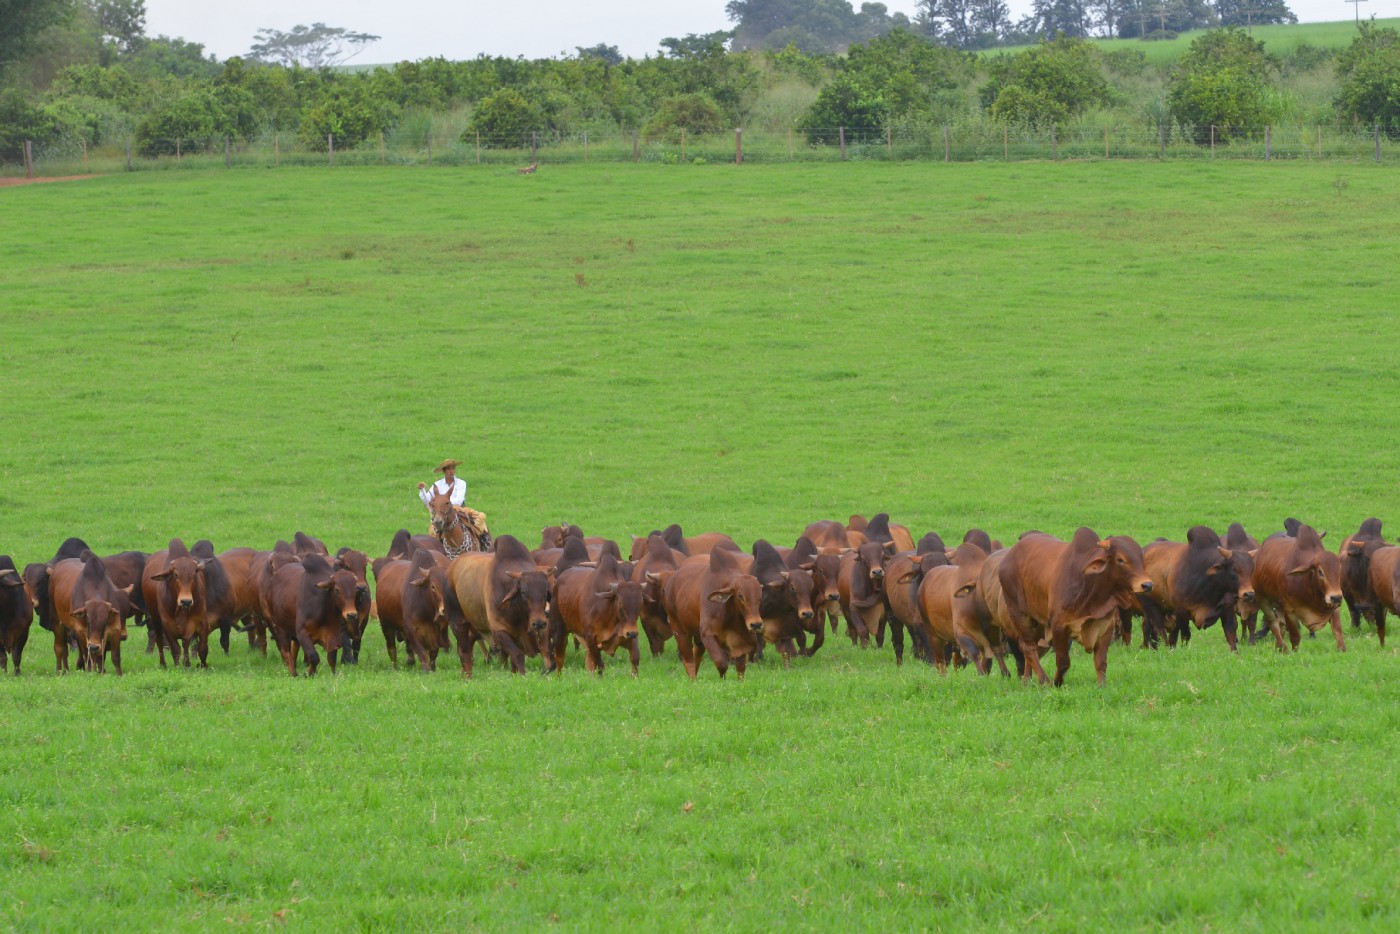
1243,561
341,590
432,582
870,562
531,590
1321,574
745,596
797,589
183,576
624,598
1124,565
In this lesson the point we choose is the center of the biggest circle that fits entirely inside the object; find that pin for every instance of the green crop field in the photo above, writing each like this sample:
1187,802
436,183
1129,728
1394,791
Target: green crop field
1136,347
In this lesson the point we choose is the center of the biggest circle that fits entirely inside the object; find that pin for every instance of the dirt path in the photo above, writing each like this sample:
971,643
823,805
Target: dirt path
10,182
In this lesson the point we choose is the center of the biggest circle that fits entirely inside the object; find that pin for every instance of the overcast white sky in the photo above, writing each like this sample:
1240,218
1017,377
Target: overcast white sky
457,29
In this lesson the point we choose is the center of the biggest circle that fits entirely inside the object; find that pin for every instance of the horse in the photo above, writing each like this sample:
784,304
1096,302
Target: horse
459,529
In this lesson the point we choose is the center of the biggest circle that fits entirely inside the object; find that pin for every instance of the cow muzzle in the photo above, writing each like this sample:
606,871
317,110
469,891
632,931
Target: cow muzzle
1335,599
186,603
877,573
756,625
1146,587
539,625
806,614
352,617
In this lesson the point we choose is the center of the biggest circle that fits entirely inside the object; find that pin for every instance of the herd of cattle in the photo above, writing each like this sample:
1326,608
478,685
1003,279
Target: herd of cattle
970,604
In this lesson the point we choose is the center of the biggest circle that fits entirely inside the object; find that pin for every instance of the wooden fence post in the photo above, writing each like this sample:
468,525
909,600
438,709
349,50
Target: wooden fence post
28,159
1319,142
841,132
276,148
585,145
1212,140
381,147
947,144
478,147
1105,142
682,144
330,148
889,142
789,144
128,152
1268,143
738,146
1054,144
636,147
84,156
228,158
1378,142
1006,143
429,139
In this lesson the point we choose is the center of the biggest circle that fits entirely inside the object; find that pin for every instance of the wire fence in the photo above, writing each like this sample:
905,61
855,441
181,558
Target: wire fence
977,142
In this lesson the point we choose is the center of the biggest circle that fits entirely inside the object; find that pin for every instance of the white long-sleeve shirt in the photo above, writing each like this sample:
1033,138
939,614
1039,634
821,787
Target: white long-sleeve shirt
459,492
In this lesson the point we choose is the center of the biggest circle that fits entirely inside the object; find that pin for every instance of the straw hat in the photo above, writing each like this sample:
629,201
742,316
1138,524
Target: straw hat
441,468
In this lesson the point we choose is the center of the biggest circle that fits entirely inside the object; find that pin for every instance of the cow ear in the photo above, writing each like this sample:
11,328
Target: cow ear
1302,569
1226,553
1105,544
891,547
720,596
1096,566
647,598
515,575
162,576
774,585
322,585
1213,570
965,589
420,582
845,551
950,554
129,590
653,577
79,613
908,577
809,566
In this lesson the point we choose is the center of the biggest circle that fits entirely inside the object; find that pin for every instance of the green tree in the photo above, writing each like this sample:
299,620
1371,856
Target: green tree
346,111
602,51
315,46
505,120
1222,81
1369,72
695,113
1050,83
22,22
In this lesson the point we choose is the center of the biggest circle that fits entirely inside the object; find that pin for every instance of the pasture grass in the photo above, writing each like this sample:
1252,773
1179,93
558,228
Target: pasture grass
1134,347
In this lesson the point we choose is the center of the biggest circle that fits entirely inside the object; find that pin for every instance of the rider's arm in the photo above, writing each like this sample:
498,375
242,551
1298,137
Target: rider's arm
426,494
459,492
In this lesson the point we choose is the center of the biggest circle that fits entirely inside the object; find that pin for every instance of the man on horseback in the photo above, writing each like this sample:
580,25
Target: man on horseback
457,526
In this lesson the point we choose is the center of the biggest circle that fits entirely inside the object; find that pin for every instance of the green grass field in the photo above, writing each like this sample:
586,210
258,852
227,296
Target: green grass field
1136,347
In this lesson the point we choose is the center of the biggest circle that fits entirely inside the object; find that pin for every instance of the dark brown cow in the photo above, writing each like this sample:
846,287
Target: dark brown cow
862,586
939,592
16,613
825,566
264,568
712,602
600,607
504,597
357,563
88,607
554,536
786,606
1385,584
36,578
423,603
174,587
982,540
1299,582
880,529
904,574
1056,590
404,545
220,601
390,577
1193,582
124,570
309,604
574,551
241,608
657,563
1245,548
1356,554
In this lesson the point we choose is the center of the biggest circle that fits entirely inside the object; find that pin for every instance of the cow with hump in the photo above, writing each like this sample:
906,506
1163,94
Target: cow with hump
504,597
656,563
91,609
599,606
1356,552
175,591
16,613
309,603
415,598
786,606
1055,591
1193,582
1298,582
713,602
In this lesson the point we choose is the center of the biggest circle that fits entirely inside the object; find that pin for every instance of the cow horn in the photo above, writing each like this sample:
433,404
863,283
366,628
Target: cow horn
1105,543
1226,553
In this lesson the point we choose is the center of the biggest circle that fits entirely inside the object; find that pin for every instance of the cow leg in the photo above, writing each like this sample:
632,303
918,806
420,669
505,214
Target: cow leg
634,652
1336,622
896,639
1295,632
1380,630
593,660
974,653
1101,656
116,658
939,654
740,661
466,646
60,649
880,632
1355,613
1019,656
1001,660
391,645
1059,638
685,647
718,653
512,651
225,629
1030,649
202,646
818,640
1228,625
308,647
414,639
1125,626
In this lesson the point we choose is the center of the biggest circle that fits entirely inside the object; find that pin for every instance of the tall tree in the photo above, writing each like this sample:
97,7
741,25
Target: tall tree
120,22
314,46
22,22
1253,12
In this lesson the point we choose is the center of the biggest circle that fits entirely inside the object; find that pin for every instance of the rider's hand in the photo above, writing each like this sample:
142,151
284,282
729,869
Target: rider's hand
422,486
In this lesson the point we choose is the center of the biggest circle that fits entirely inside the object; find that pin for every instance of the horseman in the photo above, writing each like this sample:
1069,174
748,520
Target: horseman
457,526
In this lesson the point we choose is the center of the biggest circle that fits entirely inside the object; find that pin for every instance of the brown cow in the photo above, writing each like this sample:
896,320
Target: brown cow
423,604
240,606
827,535
600,607
939,593
825,566
309,604
904,574
1385,584
1056,590
16,613
656,564
263,569
714,604
87,606
862,589
1196,581
219,597
357,563
978,619
880,529
174,587
1298,581
124,570
786,606
404,545
504,597
304,545
390,576
1245,548
1356,554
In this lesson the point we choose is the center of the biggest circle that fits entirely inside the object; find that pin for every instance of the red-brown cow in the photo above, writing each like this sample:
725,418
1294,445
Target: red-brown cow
786,605
825,566
88,607
504,597
1299,582
310,602
174,587
862,586
1193,582
1057,590
357,563
1385,584
16,614
657,563
904,574
715,604
1356,554
978,620
939,593
1245,549
264,568
600,607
